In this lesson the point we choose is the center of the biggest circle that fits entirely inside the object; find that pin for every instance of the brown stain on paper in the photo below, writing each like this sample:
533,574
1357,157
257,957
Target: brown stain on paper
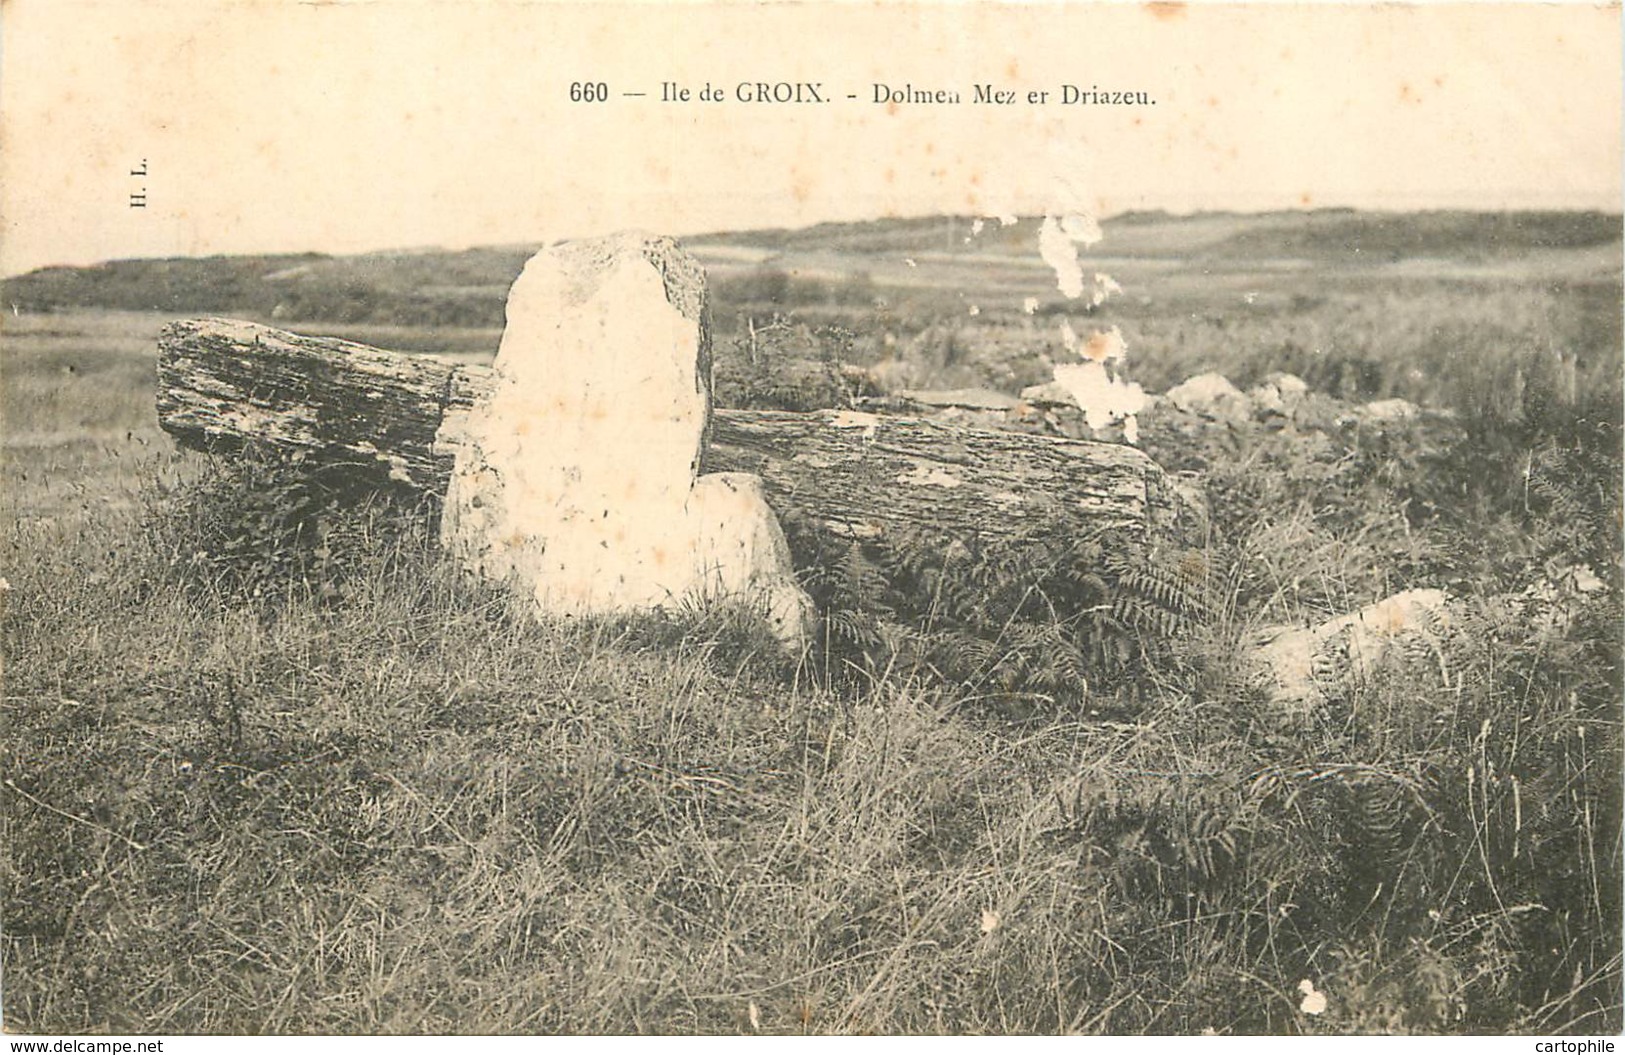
1098,347
800,185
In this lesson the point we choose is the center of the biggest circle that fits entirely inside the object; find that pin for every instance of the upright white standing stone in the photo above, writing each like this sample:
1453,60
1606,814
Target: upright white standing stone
576,476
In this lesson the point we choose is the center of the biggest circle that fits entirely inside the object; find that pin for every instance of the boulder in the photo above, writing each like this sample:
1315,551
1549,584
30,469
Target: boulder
1291,386
1388,410
1552,604
961,398
1278,394
1212,396
1303,667
1047,395
741,553
576,472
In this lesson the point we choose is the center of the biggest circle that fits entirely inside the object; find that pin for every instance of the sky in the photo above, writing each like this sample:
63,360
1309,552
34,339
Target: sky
354,125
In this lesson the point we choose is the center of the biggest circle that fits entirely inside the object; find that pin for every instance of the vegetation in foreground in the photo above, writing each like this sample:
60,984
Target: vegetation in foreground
270,766
383,801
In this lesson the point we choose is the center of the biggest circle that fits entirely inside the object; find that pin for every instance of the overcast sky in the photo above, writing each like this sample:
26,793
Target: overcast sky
347,126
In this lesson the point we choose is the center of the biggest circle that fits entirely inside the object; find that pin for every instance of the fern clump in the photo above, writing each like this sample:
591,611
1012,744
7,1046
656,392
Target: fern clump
263,527
1041,615
779,363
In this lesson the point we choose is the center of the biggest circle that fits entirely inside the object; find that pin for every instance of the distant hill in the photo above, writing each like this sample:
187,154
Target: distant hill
468,288
1451,235
1309,235
431,287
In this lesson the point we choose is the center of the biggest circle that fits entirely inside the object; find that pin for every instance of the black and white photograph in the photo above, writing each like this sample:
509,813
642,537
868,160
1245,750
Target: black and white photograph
762,518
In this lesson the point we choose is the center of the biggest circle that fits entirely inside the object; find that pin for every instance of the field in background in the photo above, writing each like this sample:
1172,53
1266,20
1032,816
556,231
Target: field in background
1334,293
359,794
1476,313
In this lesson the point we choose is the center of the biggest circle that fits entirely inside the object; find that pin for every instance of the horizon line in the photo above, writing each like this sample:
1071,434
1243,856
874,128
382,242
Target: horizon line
1173,214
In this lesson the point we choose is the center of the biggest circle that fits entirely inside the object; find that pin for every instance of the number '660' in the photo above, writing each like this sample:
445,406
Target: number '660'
588,92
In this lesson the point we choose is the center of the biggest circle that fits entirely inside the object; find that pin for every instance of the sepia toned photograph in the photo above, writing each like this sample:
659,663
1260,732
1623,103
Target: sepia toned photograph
763,519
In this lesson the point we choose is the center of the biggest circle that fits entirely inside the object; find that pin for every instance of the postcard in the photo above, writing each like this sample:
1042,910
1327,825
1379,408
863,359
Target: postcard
760,519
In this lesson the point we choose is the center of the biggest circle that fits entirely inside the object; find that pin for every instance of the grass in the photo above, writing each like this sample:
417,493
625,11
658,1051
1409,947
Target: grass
413,810
418,813
267,781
